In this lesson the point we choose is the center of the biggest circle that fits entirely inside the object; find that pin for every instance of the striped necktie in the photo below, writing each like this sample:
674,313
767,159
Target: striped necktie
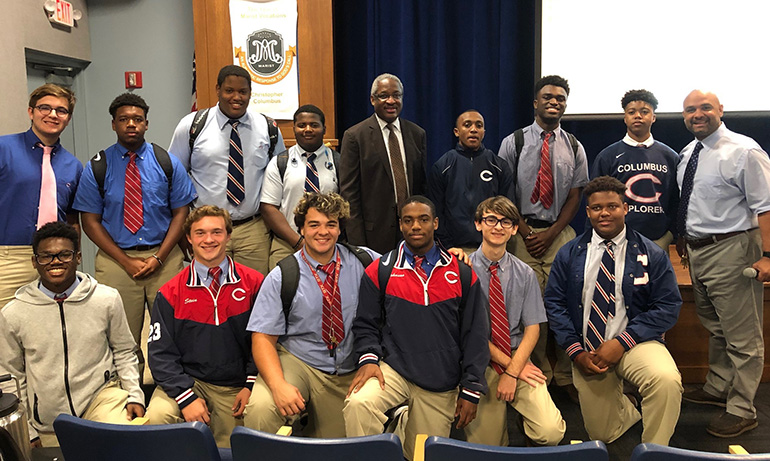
332,327
603,303
543,190
501,329
235,187
214,273
418,260
133,213
311,175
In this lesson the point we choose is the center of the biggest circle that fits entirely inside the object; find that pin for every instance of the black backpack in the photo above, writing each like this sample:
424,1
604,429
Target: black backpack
200,119
99,166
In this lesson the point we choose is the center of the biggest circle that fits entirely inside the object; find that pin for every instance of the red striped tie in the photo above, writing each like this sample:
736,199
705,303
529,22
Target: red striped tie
332,327
418,260
214,273
543,190
133,215
501,330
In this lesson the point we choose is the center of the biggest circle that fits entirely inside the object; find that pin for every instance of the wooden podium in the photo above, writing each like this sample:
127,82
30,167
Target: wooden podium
315,57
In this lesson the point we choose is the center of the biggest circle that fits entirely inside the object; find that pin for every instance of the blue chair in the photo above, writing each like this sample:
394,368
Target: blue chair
248,444
443,449
83,440
654,452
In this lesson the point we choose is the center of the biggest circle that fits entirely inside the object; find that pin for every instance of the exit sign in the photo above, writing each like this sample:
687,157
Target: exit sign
63,13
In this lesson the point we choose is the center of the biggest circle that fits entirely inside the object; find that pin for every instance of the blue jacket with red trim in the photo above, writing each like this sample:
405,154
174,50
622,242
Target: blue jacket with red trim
194,335
418,328
649,286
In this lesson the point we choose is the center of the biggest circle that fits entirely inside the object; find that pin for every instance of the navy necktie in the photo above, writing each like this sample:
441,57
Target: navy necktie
687,180
235,188
603,303
311,175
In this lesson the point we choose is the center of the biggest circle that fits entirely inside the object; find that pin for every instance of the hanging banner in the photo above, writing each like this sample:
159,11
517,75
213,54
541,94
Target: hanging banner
265,44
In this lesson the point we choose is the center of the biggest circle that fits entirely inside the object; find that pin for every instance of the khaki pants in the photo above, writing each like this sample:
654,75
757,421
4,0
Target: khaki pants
543,422
219,400
108,406
250,245
17,270
430,413
279,249
135,293
561,372
729,306
664,241
324,395
608,414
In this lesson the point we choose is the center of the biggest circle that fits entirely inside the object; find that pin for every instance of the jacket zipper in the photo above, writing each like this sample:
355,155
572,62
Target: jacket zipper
66,358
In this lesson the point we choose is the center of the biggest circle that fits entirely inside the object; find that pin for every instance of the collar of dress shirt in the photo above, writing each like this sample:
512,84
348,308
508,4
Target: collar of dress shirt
634,143
383,123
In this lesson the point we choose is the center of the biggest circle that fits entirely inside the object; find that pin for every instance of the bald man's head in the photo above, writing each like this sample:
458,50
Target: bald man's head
702,113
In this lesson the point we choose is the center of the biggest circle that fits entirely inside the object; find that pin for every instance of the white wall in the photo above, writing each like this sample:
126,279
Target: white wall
24,24
154,37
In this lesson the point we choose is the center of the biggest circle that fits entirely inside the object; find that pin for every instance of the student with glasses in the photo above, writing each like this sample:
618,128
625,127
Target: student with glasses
383,161
66,338
39,178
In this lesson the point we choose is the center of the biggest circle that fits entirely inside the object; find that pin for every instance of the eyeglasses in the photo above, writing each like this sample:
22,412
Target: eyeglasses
385,96
45,109
63,256
492,221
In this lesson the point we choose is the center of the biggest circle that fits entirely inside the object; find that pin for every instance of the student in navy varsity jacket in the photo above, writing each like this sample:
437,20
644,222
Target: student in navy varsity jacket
199,349
417,343
610,320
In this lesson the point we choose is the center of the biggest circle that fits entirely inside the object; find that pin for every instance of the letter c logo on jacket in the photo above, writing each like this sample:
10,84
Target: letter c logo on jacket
241,292
486,175
451,277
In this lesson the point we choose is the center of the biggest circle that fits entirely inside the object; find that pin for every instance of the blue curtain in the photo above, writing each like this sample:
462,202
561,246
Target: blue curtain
451,56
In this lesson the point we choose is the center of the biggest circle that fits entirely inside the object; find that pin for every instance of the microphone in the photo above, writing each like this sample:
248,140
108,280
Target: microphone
750,272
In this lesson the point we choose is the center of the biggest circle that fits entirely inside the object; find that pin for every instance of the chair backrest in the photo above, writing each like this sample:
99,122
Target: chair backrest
248,444
83,440
653,452
444,449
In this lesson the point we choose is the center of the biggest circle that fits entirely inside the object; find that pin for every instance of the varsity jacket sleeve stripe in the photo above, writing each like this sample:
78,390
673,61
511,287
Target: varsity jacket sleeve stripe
474,337
366,325
560,322
164,357
124,352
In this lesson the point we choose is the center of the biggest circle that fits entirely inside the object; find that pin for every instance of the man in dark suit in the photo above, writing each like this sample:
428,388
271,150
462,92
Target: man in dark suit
383,162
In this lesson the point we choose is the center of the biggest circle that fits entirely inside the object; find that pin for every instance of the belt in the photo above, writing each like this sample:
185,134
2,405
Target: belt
532,222
711,239
238,222
139,248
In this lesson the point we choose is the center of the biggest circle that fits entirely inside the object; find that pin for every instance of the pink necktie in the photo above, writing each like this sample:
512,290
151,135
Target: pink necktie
47,209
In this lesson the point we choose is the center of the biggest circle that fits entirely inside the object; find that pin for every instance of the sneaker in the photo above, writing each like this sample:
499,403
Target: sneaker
698,395
727,425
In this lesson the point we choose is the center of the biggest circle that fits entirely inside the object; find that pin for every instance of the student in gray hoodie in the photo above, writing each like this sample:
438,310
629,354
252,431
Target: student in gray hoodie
66,338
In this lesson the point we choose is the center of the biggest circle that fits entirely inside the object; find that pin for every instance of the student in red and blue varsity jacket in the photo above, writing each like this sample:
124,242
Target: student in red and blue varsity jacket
415,340
199,350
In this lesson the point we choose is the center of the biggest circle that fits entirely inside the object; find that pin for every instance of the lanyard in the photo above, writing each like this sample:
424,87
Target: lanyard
328,297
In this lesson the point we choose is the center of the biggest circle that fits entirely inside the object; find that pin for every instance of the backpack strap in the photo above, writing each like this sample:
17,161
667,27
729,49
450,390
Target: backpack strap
362,255
466,276
99,168
197,125
283,160
289,283
161,155
272,132
387,262
518,140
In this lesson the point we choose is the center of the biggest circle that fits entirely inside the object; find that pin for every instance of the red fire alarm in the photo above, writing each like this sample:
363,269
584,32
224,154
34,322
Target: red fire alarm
133,80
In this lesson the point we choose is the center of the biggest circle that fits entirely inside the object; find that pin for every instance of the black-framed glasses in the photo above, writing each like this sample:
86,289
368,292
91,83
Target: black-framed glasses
386,96
492,221
63,256
45,109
